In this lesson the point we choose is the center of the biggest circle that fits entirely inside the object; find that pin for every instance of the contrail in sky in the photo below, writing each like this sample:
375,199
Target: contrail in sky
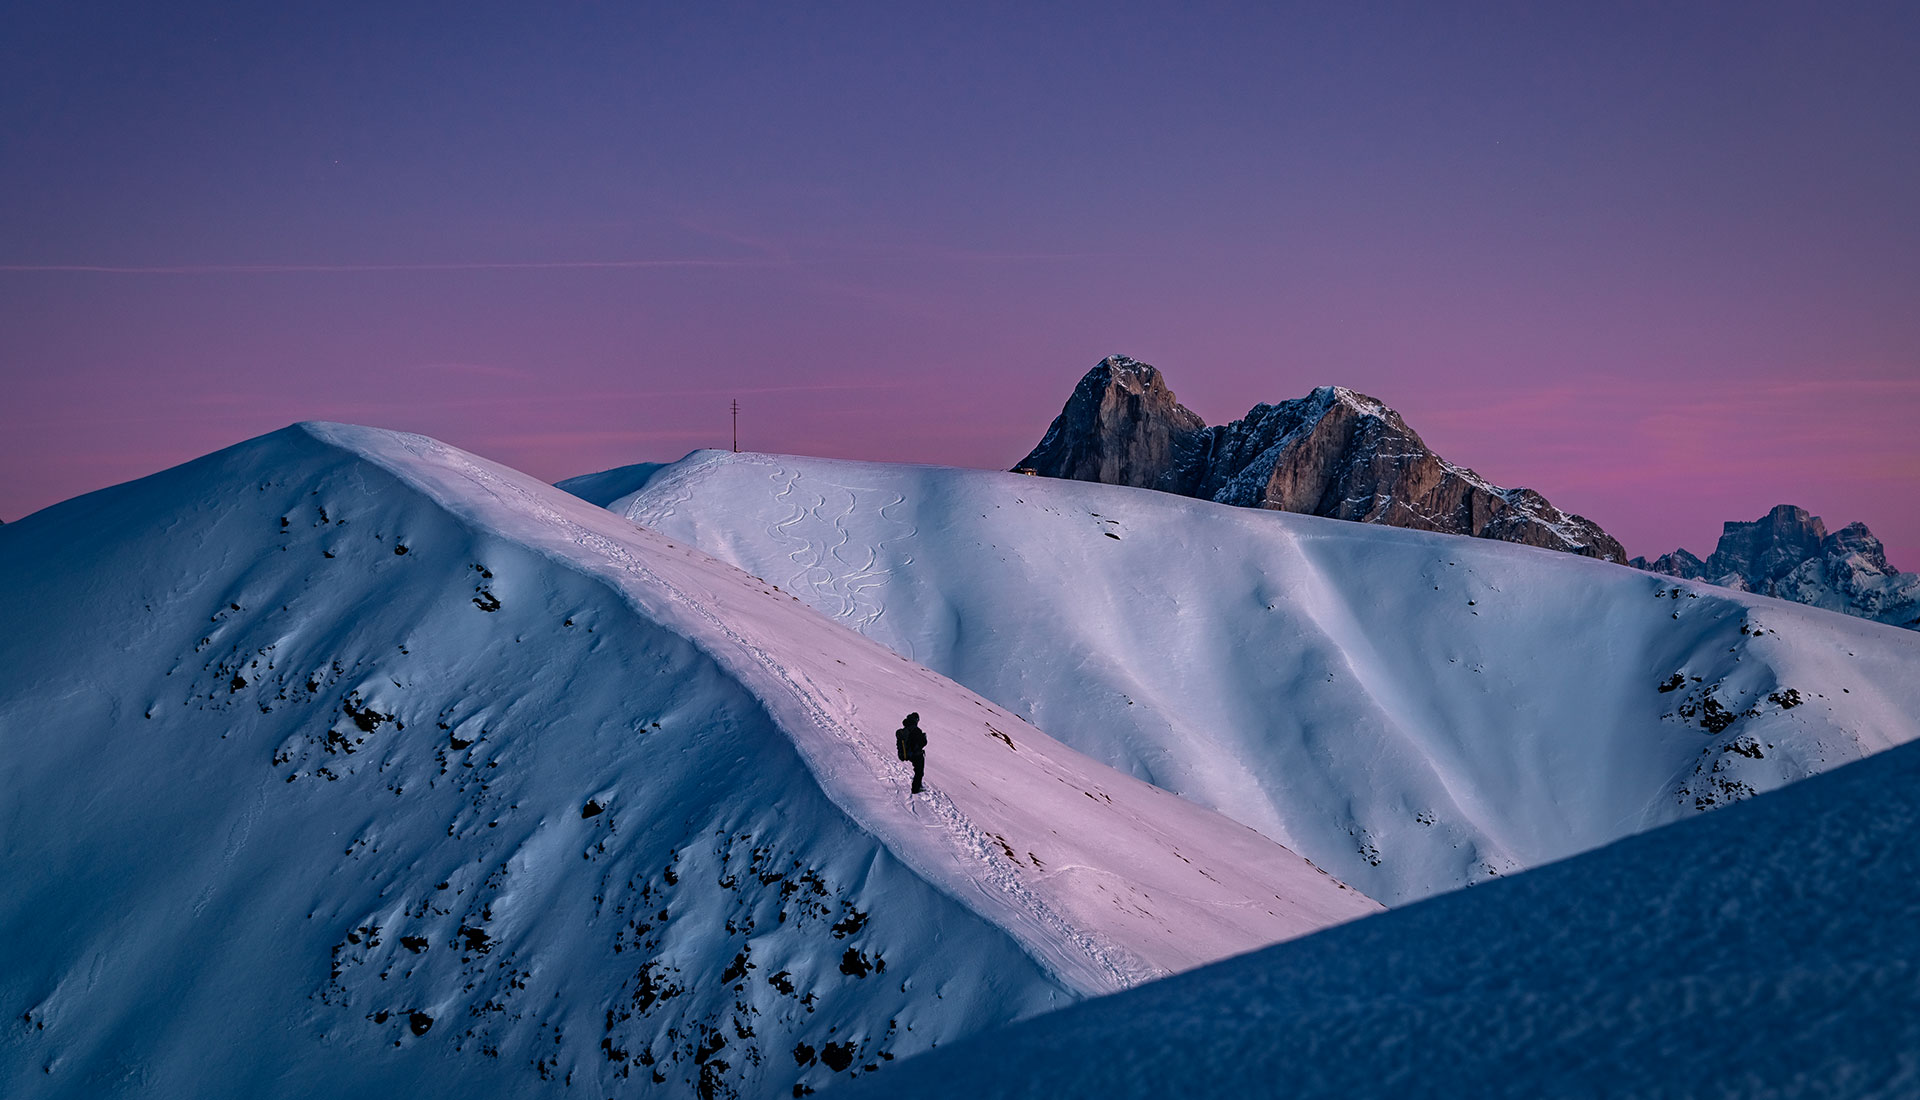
523,265
294,269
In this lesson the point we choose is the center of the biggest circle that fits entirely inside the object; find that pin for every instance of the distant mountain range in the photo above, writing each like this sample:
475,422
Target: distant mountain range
1789,553
1332,453
1344,455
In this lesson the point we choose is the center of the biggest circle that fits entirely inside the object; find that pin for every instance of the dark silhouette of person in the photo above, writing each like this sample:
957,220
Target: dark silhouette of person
911,741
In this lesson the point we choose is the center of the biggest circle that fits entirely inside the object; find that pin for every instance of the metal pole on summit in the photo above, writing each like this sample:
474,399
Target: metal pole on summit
736,427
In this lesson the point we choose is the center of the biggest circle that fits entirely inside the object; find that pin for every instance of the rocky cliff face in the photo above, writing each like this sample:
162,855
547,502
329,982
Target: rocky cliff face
1789,553
1331,453
1122,426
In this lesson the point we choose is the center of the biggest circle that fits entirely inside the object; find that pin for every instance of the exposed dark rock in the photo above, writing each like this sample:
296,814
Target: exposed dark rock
837,1056
1677,564
1122,426
856,964
1789,554
1333,453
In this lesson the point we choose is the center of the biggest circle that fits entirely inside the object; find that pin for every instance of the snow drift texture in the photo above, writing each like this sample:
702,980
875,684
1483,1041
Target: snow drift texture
342,763
1764,951
1412,711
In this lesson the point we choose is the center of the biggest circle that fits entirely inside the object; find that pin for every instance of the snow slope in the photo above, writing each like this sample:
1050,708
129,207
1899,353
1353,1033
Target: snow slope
1412,711
1764,951
342,762
608,486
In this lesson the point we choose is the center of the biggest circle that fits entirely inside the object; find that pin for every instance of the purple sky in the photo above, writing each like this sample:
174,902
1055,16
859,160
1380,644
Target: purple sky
1660,262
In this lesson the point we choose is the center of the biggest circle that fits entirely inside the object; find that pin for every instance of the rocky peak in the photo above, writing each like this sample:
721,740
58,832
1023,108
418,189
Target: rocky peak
1789,554
1334,452
1679,563
1855,540
1122,426
1355,400
1772,546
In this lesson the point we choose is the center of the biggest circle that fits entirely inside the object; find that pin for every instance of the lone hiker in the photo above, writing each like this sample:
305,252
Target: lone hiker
911,741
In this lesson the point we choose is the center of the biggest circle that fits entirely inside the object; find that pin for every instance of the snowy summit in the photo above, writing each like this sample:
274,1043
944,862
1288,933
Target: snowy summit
402,773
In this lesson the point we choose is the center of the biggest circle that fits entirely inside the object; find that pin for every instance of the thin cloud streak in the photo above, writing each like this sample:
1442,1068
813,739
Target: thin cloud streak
336,269
762,263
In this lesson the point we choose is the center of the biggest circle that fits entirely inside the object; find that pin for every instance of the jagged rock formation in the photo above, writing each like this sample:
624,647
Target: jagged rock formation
1122,426
1332,453
1789,553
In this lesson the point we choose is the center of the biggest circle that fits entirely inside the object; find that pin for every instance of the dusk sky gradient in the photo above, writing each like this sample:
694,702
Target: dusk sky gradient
1660,262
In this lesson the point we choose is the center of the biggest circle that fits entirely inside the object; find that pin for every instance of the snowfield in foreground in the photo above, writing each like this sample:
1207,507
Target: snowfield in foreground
344,763
1764,951
1413,711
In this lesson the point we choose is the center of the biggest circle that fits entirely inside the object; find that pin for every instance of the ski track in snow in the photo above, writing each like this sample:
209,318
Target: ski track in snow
1036,924
852,588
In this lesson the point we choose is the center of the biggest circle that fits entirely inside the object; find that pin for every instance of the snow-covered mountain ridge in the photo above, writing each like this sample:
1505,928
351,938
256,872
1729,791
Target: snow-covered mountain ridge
1788,553
1765,951
344,763
1413,711
1332,453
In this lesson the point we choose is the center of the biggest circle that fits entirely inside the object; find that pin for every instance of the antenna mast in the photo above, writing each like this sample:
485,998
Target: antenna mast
736,427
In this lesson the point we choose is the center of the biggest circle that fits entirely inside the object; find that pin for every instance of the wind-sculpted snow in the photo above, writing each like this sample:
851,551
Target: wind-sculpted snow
1764,951
344,763
1413,711
608,486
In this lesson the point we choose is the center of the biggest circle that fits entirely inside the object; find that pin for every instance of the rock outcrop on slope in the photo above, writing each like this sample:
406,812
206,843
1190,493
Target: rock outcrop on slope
1789,553
1332,453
